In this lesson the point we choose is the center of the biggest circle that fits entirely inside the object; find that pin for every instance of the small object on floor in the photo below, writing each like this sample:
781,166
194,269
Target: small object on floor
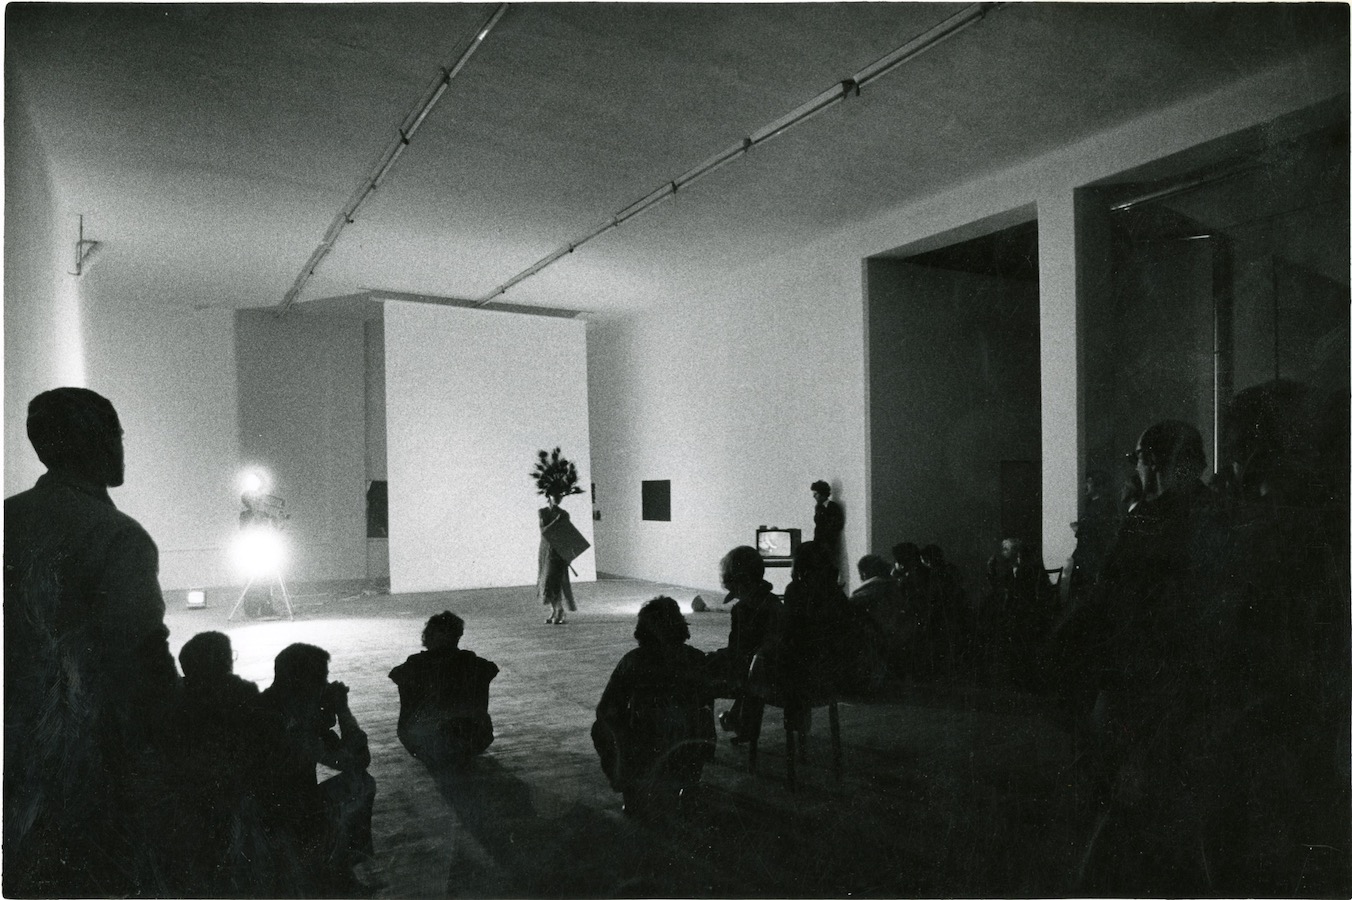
698,604
725,721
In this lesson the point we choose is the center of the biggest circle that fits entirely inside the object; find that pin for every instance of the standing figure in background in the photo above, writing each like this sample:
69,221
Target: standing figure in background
556,478
89,680
443,697
828,522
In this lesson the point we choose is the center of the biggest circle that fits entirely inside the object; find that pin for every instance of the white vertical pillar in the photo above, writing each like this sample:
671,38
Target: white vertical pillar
1061,419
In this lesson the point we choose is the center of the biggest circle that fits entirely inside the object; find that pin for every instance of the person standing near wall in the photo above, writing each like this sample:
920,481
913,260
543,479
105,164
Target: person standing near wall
828,523
556,478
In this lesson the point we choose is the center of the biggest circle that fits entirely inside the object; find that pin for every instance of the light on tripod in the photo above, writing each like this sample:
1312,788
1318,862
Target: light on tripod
254,481
259,552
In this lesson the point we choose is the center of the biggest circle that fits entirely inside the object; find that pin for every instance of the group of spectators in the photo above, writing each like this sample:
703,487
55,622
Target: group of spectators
1200,657
123,777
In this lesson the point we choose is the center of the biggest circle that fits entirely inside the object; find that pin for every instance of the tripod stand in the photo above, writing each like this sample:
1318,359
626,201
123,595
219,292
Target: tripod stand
274,581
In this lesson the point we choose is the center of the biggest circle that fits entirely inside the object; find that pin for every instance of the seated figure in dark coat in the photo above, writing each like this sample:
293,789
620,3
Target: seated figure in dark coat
229,831
755,623
821,652
879,598
443,697
654,726
332,818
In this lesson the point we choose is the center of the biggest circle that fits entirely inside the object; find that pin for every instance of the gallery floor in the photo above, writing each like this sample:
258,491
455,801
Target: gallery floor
955,792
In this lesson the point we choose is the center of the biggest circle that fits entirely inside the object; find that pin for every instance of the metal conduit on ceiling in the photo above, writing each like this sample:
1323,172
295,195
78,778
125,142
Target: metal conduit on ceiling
837,93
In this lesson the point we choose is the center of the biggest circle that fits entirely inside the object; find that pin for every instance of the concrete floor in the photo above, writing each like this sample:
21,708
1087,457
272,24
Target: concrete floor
953,793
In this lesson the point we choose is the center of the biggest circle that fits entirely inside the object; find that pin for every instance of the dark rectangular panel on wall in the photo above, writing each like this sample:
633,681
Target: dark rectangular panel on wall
657,501
378,509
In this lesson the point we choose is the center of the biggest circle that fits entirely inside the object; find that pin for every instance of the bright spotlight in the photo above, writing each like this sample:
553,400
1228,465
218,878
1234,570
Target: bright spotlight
259,552
254,481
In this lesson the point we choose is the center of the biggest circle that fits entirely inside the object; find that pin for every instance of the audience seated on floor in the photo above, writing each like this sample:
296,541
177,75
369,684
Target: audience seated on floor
654,726
757,615
229,836
443,697
332,818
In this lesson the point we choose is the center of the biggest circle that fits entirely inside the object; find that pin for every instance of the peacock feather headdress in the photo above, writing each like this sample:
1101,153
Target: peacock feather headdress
555,476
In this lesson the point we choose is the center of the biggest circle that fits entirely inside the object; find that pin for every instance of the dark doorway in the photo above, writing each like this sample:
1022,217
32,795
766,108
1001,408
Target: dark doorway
954,391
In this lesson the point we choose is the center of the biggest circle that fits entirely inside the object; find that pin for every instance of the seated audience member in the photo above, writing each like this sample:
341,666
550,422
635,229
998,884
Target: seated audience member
654,726
949,625
228,750
1019,609
332,818
1147,660
443,697
821,651
756,619
89,679
1093,533
879,598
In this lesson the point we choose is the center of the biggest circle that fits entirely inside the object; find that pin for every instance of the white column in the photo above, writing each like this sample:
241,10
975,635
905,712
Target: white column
1061,417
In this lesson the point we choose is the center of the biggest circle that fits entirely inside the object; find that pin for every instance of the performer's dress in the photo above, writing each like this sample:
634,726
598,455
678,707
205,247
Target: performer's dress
553,584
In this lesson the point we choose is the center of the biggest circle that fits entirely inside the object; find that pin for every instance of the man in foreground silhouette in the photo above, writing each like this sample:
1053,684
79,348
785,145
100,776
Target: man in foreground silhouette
89,680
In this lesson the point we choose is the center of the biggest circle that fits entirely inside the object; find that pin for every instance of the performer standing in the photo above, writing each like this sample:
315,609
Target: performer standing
560,543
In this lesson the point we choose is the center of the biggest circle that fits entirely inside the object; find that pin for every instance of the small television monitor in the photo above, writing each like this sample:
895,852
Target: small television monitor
777,543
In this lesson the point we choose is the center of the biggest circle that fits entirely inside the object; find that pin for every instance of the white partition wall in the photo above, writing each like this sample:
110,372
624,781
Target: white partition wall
471,396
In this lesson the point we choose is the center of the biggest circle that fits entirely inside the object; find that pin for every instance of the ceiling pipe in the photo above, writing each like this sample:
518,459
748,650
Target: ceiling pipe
835,94
407,128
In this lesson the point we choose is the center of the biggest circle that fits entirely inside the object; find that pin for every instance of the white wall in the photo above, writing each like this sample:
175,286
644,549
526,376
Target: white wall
44,345
471,396
744,397
742,402
171,374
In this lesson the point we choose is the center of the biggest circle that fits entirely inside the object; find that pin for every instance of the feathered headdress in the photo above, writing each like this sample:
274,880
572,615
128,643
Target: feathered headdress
555,476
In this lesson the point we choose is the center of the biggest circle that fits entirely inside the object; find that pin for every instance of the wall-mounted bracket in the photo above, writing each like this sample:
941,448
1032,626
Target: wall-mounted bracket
83,251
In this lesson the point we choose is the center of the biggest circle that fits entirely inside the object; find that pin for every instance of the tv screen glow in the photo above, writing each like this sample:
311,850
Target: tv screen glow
775,544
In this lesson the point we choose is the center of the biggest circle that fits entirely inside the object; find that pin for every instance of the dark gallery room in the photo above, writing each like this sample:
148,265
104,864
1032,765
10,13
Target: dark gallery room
880,449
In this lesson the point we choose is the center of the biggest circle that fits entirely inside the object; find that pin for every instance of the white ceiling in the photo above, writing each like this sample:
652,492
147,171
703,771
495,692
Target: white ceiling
210,146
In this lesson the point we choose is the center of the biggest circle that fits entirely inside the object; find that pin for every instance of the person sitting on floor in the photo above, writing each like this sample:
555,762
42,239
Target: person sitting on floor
654,726
443,697
230,837
332,818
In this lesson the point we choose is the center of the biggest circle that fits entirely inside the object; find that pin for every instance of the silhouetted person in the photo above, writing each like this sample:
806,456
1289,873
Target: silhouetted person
1285,776
443,697
756,620
948,628
654,726
1151,640
819,654
230,835
879,601
828,522
333,817
1093,534
1019,609
89,680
